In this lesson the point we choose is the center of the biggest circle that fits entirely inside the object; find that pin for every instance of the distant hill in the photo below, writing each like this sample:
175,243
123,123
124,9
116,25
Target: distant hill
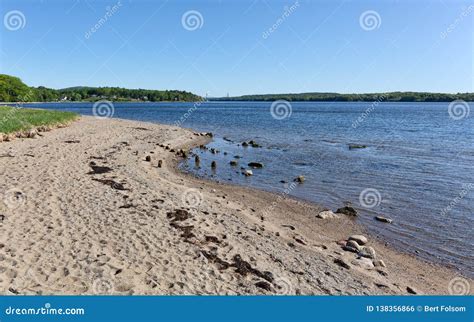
12,89
370,97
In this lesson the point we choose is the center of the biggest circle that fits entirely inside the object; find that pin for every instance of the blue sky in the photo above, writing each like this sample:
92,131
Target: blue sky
319,46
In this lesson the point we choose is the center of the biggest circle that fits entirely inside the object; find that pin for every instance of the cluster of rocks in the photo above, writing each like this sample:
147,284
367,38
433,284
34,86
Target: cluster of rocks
209,134
328,214
251,143
366,255
30,134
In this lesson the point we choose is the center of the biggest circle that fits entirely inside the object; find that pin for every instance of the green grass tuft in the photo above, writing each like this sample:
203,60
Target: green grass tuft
15,119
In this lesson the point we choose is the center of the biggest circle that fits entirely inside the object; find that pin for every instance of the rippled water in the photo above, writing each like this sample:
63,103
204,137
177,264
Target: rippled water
417,167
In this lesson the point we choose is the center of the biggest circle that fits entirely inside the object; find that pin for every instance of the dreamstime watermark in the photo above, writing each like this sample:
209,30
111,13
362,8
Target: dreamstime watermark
44,310
14,198
287,12
466,189
281,109
192,198
458,110
103,109
103,286
462,16
192,20
14,20
370,20
190,111
459,286
283,286
288,189
370,198
110,11
368,111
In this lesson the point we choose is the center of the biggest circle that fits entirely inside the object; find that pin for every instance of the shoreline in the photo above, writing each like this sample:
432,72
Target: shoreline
224,244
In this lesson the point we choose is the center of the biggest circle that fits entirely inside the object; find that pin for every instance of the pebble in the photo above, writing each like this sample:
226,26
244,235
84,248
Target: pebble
411,290
359,239
368,252
341,262
363,262
257,165
148,158
213,164
247,173
327,214
299,179
379,263
384,219
349,211
352,246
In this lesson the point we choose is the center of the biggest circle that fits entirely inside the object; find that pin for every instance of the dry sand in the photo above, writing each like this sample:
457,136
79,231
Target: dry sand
65,231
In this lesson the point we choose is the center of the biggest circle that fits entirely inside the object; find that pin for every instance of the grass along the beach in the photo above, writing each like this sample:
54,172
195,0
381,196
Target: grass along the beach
15,119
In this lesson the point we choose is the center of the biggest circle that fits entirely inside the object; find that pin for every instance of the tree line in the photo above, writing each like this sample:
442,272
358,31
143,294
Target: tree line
370,97
12,89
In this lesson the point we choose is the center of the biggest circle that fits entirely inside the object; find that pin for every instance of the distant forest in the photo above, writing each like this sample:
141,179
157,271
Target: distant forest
330,97
12,89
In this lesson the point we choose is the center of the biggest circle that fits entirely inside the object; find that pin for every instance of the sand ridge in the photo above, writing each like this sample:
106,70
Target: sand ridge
84,212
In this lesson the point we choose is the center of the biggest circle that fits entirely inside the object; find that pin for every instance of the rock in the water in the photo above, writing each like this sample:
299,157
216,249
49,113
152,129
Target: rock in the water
245,144
197,159
359,239
379,263
257,165
384,219
299,179
247,173
357,146
233,163
213,164
327,214
347,210
368,252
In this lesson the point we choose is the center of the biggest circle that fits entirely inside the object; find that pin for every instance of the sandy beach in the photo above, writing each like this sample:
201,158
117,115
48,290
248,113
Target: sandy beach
88,210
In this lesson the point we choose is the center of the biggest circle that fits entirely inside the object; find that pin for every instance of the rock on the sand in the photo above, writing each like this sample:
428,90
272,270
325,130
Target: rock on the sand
368,252
411,290
327,214
347,210
379,263
384,219
359,239
352,246
341,262
363,262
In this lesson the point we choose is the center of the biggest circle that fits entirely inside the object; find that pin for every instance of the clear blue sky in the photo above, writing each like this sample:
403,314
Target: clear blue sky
320,46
